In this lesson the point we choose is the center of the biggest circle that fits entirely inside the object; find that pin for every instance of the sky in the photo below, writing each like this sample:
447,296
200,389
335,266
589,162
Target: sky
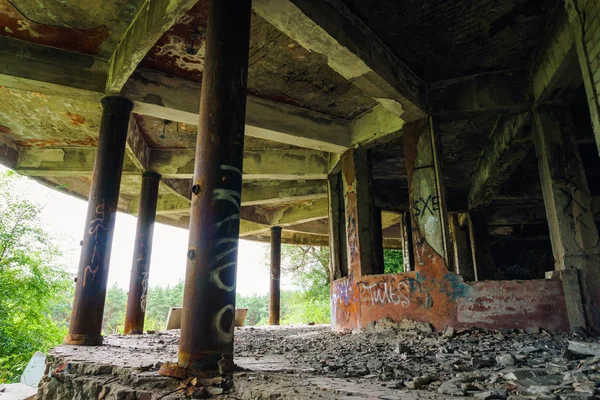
64,217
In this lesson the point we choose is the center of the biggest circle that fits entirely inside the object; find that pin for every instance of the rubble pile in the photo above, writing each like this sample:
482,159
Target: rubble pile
385,361
410,356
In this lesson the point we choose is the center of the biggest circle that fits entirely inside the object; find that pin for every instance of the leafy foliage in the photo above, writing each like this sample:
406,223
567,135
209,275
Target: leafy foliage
393,261
32,284
309,267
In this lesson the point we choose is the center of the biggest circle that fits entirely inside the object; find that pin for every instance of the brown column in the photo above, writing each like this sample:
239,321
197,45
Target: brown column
274,299
338,264
142,251
408,258
363,238
209,293
463,260
481,246
90,292
570,216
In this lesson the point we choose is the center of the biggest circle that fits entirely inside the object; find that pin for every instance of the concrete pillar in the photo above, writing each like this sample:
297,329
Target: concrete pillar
408,257
275,293
209,293
337,228
426,194
463,260
142,251
481,246
362,219
570,216
90,292
584,18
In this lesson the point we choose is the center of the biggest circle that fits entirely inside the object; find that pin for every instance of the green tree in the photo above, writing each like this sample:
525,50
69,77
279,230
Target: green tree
393,261
114,310
32,284
309,266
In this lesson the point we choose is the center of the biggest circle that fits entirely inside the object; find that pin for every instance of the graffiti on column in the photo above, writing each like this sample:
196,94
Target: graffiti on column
424,206
141,259
225,248
144,296
96,225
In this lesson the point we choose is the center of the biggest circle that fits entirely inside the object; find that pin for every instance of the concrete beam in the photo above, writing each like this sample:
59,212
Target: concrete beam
276,164
154,18
289,164
517,215
286,214
272,192
136,148
352,50
490,93
9,152
74,161
508,144
316,227
373,125
309,239
297,238
247,228
36,68
554,65
253,193
300,213
166,204
175,99
390,219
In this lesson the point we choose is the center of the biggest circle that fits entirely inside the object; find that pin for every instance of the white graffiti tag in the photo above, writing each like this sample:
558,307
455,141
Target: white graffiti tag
382,293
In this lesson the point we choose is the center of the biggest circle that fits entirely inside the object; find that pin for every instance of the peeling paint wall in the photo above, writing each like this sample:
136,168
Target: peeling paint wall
444,299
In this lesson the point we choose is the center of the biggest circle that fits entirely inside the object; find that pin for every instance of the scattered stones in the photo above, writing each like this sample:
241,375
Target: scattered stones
481,362
506,360
448,332
386,357
418,382
584,349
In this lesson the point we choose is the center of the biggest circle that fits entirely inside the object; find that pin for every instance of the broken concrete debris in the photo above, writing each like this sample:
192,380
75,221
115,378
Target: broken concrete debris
386,360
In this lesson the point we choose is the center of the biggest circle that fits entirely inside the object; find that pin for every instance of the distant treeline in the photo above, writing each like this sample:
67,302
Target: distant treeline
296,307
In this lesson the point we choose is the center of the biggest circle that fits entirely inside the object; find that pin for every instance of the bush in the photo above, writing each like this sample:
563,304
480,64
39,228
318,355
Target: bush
32,284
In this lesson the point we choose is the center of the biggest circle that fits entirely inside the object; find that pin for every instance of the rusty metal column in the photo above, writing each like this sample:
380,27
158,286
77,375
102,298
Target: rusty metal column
90,292
209,293
274,299
142,251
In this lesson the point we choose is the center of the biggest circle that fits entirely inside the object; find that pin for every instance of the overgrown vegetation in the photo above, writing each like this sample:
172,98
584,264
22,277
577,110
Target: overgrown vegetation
33,314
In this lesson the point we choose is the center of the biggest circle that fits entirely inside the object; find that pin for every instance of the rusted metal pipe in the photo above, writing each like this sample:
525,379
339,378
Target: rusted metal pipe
209,293
142,251
90,291
275,297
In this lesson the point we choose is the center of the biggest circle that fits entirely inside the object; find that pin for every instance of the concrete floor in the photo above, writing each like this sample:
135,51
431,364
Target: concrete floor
385,361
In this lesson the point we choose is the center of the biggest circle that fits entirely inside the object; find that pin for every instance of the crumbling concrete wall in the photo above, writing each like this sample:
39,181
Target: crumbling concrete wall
432,293
443,299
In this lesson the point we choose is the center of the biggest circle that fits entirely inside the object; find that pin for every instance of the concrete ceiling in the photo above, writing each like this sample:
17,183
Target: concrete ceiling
319,82
445,39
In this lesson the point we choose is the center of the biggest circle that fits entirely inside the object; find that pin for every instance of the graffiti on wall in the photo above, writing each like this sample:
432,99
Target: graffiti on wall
406,291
